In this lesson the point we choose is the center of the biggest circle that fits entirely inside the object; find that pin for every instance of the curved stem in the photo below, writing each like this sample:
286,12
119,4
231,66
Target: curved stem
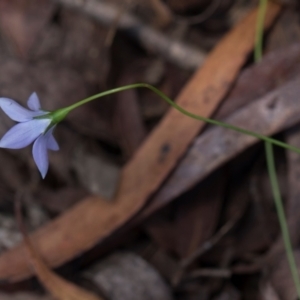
182,110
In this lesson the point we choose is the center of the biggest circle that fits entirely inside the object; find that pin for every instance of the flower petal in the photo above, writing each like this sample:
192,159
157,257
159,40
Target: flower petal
23,134
40,155
17,112
51,141
33,102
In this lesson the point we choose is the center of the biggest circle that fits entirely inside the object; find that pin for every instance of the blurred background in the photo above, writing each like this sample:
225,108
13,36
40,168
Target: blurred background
211,242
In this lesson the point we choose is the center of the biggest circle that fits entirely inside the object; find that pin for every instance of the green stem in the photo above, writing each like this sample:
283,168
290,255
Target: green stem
271,163
259,30
182,110
281,216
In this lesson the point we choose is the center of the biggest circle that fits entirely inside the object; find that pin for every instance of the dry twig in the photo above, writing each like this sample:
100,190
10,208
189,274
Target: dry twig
154,41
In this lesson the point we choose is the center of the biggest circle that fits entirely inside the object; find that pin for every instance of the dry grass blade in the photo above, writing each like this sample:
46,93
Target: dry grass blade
66,237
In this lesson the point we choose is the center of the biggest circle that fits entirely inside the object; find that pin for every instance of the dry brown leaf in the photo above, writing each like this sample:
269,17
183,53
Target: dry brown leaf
60,241
22,21
58,287
275,111
203,93
276,69
193,221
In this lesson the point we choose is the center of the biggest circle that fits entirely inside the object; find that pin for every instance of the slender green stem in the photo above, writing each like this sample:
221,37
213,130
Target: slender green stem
271,163
185,112
259,30
281,216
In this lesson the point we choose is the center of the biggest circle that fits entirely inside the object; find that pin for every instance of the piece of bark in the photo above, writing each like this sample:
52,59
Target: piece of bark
126,276
60,241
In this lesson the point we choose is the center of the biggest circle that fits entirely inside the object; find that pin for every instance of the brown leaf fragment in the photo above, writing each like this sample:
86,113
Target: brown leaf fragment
208,245
275,69
286,31
58,287
260,223
193,220
66,237
21,22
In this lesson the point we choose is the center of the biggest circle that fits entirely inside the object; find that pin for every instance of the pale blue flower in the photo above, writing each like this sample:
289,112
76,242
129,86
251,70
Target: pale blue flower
34,125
